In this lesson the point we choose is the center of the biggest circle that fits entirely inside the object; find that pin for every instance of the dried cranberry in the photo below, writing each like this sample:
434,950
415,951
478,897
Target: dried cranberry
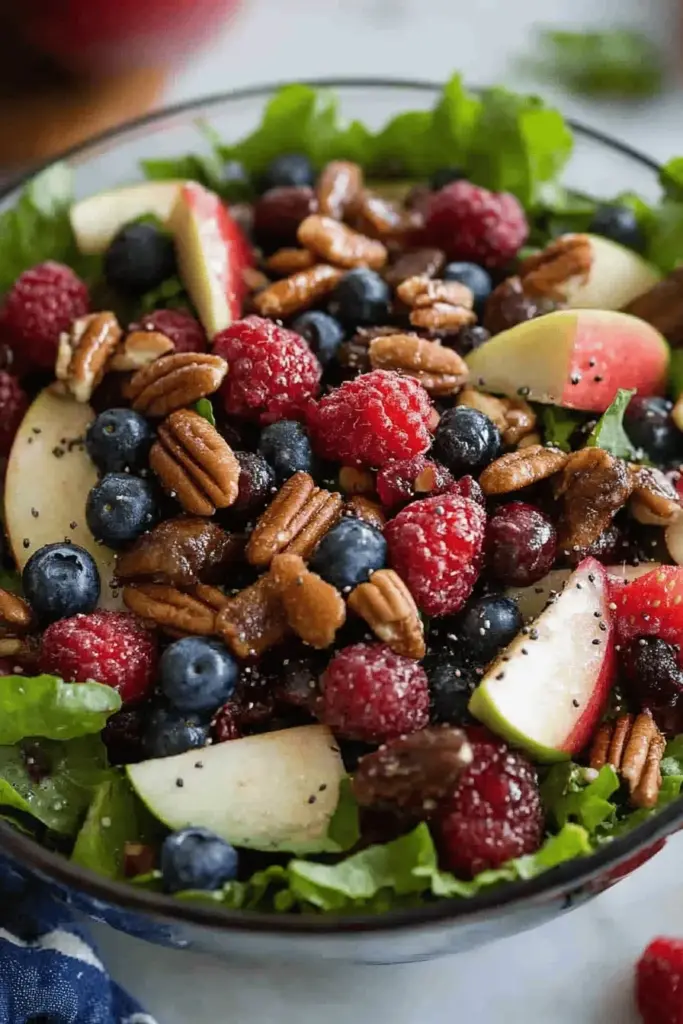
509,305
653,679
278,213
521,543
123,736
299,685
226,723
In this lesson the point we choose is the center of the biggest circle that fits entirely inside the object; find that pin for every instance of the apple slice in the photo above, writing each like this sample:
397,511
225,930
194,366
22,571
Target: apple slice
617,275
547,690
532,600
276,791
574,358
49,476
212,255
97,219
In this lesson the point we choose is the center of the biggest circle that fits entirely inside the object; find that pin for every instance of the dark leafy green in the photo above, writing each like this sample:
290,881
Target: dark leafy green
558,425
115,817
205,409
609,431
46,706
170,294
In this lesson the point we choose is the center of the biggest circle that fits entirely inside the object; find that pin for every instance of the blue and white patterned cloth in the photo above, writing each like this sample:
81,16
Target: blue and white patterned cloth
49,970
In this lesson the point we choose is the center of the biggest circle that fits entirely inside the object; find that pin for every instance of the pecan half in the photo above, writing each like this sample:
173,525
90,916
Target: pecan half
415,263
339,184
514,417
180,552
294,522
361,507
189,612
253,620
353,480
297,292
413,773
662,306
655,501
595,485
422,291
175,381
194,463
519,469
510,304
379,216
315,610
634,747
16,616
440,370
442,316
388,607
553,271
340,245
139,349
290,261
84,352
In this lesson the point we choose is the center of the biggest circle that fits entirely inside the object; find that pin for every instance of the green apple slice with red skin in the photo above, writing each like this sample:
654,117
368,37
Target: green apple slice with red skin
532,600
49,477
616,276
274,791
546,691
573,358
98,218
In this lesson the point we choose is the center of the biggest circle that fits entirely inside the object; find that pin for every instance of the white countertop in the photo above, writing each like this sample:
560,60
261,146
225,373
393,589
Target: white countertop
577,970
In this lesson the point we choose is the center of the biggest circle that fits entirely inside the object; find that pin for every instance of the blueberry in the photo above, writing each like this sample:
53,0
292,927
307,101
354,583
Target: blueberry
467,339
139,258
120,508
195,858
287,449
348,553
255,485
466,440
119,439
649,426
618,223
474,277
361,299
197,674
288,169
61,580
489,624
323,333
451,684
170,731
445,176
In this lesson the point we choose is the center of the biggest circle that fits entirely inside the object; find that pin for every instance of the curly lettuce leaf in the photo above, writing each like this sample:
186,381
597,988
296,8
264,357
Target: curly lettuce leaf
46,706
568,796
115,817
609,432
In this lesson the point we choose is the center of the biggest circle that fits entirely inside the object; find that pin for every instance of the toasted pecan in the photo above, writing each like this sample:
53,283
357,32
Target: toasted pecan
315,610
514,417
388,607
353,480
175,381
359,506
549,273
339,185
634,747
422,291
380,217
439,370
594,486
519,469
190,612
16,616
84,353
340,245
655,500
180,552
442,316
253,620
289,261
194,463
138,349
295,521
297,292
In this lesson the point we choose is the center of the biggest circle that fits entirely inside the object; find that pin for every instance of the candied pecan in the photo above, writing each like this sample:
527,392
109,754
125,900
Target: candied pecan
180,552
353,480
138,349
297,292
255,280
190,612
339,185
509,304
84,353
662,307
530,440
422,291
491,406
294,522
15,614
253,620
379,216
634,747
340,245
23,650
415,263
514,417
655,500
361,507
439,370
413,773
388,607
175,381
519,469
289,261
595,485
194,463
442,316
551,272
315,610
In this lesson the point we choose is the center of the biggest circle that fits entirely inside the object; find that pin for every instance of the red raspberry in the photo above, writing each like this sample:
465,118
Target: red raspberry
400,481
435,545
42,303
186,333
108,647
659,982
368,421
467,487
471,223
13,405
226,723
495,813
273,373
372,694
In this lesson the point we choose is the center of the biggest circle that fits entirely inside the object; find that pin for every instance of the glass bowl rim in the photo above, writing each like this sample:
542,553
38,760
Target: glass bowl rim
567,878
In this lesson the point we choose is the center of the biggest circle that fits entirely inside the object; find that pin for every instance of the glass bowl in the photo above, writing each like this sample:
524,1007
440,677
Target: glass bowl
600,165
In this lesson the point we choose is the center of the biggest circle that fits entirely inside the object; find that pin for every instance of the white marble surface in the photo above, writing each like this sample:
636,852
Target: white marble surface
576,970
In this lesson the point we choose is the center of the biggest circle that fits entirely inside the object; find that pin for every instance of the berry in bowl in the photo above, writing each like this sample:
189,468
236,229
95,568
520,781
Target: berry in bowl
341,588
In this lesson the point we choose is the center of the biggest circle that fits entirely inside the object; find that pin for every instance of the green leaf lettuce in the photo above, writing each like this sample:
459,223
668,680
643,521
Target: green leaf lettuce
47,706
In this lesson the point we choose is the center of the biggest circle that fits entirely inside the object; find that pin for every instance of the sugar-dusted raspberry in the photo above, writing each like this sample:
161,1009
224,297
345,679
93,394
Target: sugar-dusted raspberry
372,694
467,487
368,421
13,405
113,648
400,481
659,982
42,303
186,333
273,374
495,813
471,223
435,545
